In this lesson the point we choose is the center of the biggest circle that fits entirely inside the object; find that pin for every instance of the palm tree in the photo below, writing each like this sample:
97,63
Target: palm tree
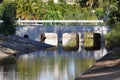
34,10
28,9
21,9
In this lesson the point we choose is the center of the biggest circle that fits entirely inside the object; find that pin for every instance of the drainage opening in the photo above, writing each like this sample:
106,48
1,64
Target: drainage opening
26,36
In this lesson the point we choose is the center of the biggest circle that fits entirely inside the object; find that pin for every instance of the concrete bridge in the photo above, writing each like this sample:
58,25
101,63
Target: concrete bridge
54,34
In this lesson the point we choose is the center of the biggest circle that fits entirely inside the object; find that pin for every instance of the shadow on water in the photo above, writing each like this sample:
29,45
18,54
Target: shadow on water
55,64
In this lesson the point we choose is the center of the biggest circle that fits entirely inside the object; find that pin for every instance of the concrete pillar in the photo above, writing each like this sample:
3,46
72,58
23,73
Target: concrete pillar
50,38
70,41
80,41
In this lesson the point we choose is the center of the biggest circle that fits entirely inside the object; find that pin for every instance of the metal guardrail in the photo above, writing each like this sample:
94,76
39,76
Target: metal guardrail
58,21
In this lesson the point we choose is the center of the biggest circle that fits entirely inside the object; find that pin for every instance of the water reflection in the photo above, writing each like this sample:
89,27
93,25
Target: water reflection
51,65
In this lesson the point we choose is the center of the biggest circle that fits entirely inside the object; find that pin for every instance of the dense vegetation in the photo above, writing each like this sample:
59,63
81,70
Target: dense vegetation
8,27
113,38
38,10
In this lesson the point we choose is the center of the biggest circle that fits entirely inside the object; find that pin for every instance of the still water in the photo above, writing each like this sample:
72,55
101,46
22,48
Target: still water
51,65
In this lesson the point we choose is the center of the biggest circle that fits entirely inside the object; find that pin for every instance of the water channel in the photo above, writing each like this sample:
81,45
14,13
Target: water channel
51,65
58,64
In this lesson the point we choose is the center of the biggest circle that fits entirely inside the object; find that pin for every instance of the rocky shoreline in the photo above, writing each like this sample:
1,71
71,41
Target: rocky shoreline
106,68
11,45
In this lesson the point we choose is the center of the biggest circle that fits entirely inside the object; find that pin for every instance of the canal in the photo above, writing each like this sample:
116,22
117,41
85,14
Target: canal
58,64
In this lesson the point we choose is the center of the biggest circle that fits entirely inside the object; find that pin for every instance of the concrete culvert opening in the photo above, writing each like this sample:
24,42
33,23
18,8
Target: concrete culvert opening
26,36
49,38
92,41
70,41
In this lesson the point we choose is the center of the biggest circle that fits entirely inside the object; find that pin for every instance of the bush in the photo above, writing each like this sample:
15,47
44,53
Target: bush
113,38
8,17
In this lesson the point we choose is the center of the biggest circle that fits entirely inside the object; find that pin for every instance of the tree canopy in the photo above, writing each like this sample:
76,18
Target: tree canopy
37,9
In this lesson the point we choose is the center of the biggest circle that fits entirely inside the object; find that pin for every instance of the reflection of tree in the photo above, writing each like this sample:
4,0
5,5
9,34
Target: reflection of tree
56,67
28,70
83,64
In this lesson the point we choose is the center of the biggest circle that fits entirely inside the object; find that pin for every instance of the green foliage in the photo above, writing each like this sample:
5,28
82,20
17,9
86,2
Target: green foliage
99,13
113,38
1,11
8,17
36,9
114,12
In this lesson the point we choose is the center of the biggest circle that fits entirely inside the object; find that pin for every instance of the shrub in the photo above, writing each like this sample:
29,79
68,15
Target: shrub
113,38
8,27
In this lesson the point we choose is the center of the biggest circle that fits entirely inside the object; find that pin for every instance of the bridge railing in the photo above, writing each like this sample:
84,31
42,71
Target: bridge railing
57,21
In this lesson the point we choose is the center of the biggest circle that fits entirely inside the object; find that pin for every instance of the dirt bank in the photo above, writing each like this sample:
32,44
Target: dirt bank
106,68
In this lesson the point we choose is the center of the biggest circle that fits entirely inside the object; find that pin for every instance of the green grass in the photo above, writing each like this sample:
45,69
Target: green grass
72,43
88,40
88,43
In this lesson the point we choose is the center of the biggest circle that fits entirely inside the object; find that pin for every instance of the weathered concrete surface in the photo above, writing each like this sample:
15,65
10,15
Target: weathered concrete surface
107,68
12,45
